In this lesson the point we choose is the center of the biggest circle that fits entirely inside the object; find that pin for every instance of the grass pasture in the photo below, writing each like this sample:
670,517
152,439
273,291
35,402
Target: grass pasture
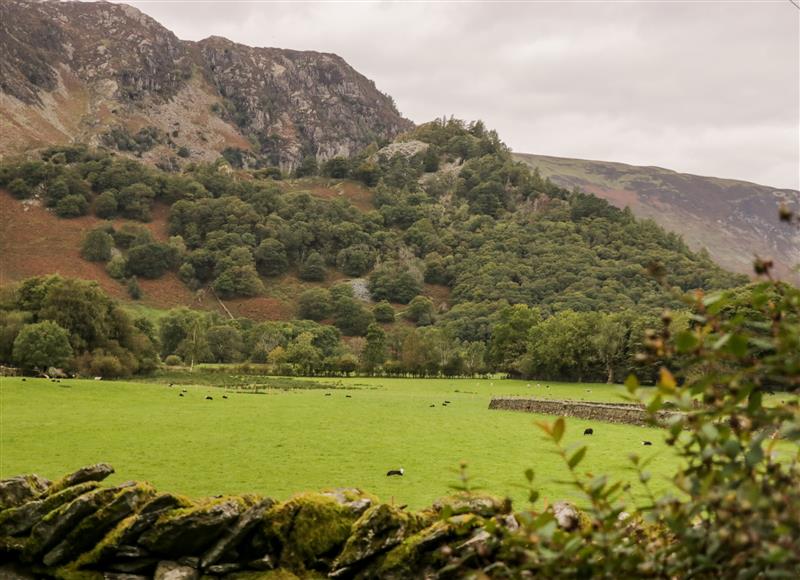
288,441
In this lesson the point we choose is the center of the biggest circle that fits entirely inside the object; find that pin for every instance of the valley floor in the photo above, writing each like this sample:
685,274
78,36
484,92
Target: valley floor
304,439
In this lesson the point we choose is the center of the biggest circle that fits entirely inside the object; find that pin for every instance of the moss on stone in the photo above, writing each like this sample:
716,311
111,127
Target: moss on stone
108,545
308,527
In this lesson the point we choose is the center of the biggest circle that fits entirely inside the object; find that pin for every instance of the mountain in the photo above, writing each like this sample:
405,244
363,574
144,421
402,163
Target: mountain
106,74
733,220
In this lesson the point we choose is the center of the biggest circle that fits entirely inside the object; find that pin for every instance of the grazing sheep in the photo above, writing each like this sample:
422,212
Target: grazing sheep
588,431
447,402
431,405
24,379
224,396
398,472
180,394
327,394
209,398
348,396
184,391
646,443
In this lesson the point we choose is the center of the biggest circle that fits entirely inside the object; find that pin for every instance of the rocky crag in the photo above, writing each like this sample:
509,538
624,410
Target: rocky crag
75,528
106,74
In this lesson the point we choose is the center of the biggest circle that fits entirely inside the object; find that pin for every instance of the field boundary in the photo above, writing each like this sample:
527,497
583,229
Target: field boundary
624,413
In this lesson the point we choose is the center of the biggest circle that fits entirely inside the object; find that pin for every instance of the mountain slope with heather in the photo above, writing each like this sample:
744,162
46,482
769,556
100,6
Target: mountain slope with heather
106,74
734,220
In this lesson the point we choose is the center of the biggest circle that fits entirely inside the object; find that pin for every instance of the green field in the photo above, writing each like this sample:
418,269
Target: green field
296,440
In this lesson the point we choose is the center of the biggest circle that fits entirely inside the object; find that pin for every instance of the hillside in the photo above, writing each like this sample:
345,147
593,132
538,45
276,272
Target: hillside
733,220
106,74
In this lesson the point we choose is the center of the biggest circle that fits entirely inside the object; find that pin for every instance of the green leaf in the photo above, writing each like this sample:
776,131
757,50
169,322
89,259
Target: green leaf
577,457
558,429
737,345
686,341
631,383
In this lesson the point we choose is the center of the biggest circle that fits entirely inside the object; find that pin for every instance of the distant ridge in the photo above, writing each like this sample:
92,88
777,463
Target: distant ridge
734,220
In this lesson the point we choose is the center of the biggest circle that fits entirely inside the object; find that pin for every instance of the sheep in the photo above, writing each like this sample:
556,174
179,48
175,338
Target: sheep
588,431
647,443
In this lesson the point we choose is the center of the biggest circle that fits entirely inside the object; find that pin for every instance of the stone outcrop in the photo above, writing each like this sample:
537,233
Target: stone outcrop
88,531
607,412
84,71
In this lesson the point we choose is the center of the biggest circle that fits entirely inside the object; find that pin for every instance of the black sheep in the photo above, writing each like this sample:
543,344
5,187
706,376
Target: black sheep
588,431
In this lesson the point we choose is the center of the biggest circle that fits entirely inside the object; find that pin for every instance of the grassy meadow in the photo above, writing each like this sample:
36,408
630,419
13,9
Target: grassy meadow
288,441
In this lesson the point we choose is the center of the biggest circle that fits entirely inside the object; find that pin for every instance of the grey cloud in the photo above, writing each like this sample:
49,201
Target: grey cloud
705,87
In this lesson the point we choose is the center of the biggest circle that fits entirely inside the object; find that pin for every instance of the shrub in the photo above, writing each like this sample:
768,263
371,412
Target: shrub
97,245
313,269
106,366
105,206
72,206
315,304
393,283
336,167
238,281
130,235
420,311
356,260
383,312
117,267
20,189
151,260
173,360
271,259
132,286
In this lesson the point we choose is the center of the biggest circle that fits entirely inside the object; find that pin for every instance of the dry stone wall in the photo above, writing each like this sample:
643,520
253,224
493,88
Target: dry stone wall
628,414
77,528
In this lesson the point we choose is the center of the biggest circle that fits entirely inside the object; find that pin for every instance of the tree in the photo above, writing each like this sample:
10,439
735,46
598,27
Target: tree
350,317
393,283
20,189
510,336
375,350
42,345
72,206
238,281
225,343
308,166
271,258
355,260
383,312
313,269
105,205
97,245
133,288
336,167
135,201
420,311
304,354
315,304
151,260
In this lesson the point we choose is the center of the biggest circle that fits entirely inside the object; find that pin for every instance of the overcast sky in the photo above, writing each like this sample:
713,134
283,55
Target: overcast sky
711,88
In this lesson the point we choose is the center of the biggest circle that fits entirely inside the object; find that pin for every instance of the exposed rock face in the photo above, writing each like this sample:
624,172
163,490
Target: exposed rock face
73,71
